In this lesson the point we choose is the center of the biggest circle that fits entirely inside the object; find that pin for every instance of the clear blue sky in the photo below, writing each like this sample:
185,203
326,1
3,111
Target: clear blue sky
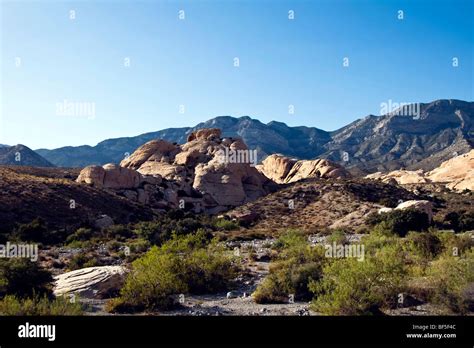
190,62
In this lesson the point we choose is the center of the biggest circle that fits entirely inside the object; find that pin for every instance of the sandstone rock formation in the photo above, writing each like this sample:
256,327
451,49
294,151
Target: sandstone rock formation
456,173
91,282
401,177
207,173
110,176
285,170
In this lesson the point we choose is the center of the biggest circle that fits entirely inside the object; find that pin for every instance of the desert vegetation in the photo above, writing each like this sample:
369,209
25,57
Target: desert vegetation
431,266
26,289
182,265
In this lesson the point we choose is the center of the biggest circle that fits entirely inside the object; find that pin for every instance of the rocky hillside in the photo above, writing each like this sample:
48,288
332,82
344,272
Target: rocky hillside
374,143
20,155
315,205
51,194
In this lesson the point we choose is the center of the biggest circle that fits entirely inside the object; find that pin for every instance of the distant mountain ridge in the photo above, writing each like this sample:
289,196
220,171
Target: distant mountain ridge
21,155
375,143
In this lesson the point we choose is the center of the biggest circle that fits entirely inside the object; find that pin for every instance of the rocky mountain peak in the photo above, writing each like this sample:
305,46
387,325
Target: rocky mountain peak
21,155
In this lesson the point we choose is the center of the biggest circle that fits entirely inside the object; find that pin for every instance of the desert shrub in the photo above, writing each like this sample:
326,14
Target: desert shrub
290,240
184,264
351,287
158,232
338,237
296,265
22,277
424,244
12,305
36,231
377,239
226,225
147,229
139,246
81,260
451,279
420,248
118,232
454,244
460,221
400,222
80,238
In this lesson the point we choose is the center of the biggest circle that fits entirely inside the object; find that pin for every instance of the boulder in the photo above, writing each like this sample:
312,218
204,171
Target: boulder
283,170
91,282
152,151
117,177
92,175
167,171
422,205
276,167
205,134
103,221
384,210
110,176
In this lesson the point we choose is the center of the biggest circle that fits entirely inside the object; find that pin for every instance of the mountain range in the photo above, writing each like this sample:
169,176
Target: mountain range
440,130
22,155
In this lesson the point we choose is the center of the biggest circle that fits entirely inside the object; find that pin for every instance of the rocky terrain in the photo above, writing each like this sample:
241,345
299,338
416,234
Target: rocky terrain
162,174
284,170
314,205
456,173
374,143
93,223
27,193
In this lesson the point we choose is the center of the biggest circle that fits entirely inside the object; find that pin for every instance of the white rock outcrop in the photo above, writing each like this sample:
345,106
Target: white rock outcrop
90,282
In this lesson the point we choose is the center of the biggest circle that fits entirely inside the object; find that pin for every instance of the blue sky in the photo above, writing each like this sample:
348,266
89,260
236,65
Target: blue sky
47,58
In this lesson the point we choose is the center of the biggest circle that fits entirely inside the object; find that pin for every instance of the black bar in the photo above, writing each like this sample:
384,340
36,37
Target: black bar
242,331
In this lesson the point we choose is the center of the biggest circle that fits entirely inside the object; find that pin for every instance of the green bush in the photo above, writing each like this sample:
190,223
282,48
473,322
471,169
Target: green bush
451,279
35,231
158,232
454,244
226,225
118,232
377,239
338,237
184,264
297,264
12,305
460,221
351,287
425,244
22,277
81,234
82,260
400,222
